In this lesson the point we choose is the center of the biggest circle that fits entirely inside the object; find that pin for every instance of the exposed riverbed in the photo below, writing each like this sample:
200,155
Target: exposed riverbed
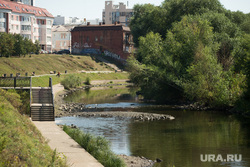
178,142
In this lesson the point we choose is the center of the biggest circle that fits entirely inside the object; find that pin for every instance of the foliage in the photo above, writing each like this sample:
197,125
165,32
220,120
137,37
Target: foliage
71,81
199,58
6,44
147,18
21,144
98,147
16,45
87,81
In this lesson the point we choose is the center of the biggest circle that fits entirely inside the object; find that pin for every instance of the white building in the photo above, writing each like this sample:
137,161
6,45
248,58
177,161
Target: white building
31,22
116,13
27,2
62,20
61,37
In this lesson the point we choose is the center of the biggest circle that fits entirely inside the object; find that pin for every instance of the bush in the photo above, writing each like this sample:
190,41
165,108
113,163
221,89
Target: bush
71,81
87,81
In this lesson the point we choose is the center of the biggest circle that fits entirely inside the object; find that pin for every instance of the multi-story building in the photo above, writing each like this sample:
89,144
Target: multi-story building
62,20
112,40
27,2
31,22
116,13
61,37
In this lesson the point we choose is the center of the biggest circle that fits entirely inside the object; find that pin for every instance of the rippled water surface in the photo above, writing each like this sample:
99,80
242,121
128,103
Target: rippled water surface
180,142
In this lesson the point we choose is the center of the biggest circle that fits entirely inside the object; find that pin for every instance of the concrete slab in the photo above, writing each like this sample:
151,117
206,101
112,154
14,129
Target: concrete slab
59,140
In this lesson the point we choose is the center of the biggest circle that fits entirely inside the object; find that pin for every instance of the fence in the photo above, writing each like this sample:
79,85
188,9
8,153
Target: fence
15,82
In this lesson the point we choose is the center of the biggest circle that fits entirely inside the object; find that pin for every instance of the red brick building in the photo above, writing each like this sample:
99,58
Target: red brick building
112,40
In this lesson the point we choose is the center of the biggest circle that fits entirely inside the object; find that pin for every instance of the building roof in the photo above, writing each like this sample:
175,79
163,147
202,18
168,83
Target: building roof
101,27
62,28
22,8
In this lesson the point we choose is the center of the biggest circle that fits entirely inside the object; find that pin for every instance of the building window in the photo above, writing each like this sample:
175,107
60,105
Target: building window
49,22
64,43
17,27
26,28
48,39
87,39
12,17
2,25
48,30
96,39
12,27
1,15
17,18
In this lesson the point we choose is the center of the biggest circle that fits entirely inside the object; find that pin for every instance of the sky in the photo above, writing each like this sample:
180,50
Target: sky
92,9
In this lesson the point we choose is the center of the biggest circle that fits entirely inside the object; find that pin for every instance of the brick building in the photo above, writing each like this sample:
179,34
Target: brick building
112,40
29,21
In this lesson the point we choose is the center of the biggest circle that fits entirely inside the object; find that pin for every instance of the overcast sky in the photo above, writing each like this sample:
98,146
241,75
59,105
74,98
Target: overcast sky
92,9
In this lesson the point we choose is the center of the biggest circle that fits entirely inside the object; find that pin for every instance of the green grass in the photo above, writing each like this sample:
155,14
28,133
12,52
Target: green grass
98,147
44,63
21,144
43,81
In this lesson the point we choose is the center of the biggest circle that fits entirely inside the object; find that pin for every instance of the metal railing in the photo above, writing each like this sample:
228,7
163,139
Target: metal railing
15,82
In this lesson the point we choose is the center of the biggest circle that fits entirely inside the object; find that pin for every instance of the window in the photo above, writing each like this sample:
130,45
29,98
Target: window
1,15
64,43
49,22
48,39
96,39
17,27
12,17
12,27
26,28
17,18
2,25
48,30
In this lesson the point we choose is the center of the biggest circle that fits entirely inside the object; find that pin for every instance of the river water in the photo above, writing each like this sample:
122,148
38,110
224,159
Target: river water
184,142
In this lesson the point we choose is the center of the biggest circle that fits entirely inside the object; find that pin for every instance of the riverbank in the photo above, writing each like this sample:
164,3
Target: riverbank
131,161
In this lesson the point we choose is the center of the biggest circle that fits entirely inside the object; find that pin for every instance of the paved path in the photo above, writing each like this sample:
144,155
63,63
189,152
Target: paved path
59,140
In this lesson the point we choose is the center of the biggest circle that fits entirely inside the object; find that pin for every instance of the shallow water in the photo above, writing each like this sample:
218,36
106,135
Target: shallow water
180,142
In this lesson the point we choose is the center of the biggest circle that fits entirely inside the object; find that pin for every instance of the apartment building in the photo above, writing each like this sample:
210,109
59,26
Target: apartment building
31,22
27,2
62,20
111,40
116,13
61,37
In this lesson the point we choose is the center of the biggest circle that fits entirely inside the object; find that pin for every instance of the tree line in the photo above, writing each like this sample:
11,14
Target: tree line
192,50
17,45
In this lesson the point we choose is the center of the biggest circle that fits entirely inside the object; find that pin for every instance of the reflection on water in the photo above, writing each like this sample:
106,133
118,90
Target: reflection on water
114,129
179,142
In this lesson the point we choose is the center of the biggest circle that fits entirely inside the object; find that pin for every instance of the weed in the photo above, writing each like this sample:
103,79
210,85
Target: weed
98,147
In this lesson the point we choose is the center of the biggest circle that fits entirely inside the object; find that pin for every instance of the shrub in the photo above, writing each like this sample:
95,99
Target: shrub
87,81
71,81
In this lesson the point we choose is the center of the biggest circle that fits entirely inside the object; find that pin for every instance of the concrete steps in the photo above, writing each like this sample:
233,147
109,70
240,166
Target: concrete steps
42,108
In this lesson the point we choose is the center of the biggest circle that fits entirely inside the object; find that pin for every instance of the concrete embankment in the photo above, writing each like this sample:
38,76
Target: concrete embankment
57,139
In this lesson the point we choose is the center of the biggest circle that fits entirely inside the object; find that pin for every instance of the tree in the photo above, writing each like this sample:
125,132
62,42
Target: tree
147,18
19,45
6,44
37,47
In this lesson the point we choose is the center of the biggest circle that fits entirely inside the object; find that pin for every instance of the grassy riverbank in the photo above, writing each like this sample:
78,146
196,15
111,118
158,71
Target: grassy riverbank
43,81
98,147
44,63
21,144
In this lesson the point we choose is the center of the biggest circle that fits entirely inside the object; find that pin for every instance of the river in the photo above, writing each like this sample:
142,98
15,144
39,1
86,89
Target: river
184,142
